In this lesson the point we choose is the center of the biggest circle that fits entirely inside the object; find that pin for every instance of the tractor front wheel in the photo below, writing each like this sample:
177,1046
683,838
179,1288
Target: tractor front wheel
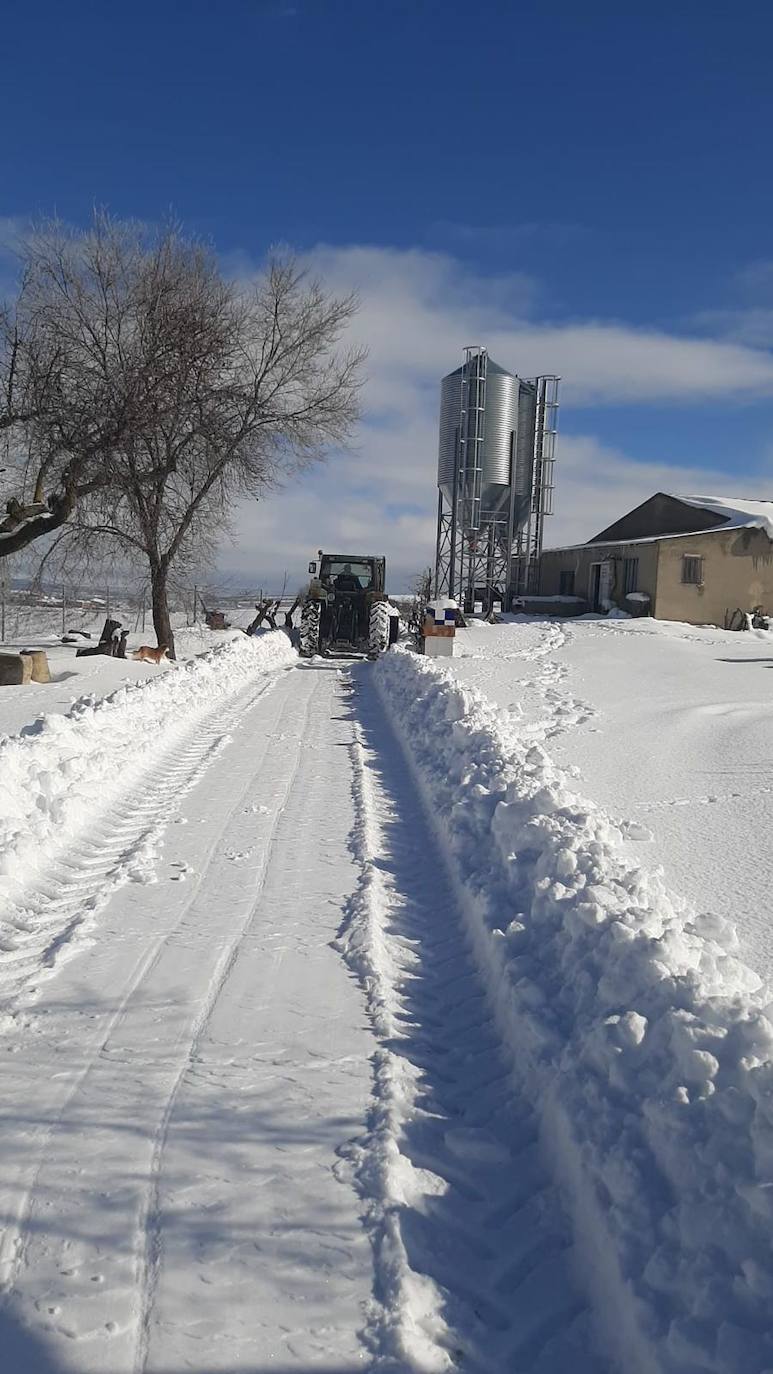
310,614
378,629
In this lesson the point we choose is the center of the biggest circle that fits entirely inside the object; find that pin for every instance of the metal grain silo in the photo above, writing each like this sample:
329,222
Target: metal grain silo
495,461
488,447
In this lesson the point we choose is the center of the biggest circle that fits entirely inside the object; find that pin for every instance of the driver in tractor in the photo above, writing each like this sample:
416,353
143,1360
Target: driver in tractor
346,581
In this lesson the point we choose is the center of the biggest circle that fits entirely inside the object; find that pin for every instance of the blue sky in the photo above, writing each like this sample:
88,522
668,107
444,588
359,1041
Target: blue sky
584,188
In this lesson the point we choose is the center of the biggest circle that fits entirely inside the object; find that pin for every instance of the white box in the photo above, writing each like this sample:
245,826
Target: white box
435,647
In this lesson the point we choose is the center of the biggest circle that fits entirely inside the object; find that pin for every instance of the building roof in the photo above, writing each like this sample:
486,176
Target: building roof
736,513
716,513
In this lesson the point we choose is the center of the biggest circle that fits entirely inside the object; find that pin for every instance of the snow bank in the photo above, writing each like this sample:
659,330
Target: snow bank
637,1032
58,773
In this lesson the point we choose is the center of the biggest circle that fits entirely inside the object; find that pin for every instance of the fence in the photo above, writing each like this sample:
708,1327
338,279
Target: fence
53,609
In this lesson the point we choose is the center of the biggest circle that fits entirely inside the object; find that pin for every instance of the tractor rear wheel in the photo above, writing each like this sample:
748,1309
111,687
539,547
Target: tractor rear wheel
310,614
378,629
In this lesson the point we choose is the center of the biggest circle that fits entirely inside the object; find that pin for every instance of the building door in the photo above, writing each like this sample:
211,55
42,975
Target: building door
594,588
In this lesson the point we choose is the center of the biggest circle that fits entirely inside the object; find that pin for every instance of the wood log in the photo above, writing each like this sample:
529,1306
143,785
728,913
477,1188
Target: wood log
39,671
15,670
265,611
109,630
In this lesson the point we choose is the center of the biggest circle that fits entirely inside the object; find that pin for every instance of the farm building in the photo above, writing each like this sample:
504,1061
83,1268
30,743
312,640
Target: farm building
691,558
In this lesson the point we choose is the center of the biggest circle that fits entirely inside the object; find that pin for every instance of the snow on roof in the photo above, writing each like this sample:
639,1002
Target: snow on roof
736,513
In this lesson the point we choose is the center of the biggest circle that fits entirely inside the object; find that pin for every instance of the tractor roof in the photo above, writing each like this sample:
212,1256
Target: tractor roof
355,557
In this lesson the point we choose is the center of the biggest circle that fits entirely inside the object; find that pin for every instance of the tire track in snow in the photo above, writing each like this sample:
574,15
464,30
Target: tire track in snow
177,783
472,1251
151,1220
63,901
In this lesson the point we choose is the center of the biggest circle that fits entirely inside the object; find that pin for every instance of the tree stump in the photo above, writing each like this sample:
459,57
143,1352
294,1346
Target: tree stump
15,670
39,660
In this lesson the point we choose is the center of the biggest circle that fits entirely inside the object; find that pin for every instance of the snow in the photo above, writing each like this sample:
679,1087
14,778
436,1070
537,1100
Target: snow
233,1158
633,1028
62,768
391,1017
473,1253
736,513
72,677
169,1188
632,1017
670,730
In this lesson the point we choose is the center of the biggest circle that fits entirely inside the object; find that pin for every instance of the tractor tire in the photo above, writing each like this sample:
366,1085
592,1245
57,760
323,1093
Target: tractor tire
378,629
309,644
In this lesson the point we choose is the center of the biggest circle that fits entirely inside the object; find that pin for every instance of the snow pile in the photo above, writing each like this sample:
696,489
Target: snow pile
636,1031
736,513
61,771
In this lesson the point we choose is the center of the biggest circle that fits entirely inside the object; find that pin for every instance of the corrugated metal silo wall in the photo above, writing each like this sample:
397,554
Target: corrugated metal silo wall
501,412
524,452
450,407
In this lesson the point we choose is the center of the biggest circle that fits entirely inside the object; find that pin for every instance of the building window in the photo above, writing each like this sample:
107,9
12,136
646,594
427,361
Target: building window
630,575
566,584
692,570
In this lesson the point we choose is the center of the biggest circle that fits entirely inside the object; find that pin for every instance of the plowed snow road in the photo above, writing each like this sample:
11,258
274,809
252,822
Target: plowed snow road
221,1150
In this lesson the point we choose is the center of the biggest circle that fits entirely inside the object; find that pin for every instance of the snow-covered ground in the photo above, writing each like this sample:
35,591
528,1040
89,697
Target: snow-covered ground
97,675
671,730
346,1022
185,1050
632,1024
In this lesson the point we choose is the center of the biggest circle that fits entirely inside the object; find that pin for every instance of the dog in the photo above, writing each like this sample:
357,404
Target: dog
147,655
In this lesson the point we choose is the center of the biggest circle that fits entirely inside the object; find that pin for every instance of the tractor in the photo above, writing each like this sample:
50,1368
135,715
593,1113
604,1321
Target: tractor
345,610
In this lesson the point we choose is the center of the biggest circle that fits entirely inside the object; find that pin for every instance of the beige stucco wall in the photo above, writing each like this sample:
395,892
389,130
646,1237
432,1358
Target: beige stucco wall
580,560
737,572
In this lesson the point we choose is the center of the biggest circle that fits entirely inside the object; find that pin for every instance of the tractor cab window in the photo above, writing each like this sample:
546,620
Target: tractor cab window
346,574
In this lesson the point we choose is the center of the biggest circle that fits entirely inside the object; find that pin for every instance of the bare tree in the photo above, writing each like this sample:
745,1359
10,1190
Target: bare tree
421,591
266,390
107,328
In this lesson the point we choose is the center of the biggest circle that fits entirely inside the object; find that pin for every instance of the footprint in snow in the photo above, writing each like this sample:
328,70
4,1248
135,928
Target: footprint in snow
633,830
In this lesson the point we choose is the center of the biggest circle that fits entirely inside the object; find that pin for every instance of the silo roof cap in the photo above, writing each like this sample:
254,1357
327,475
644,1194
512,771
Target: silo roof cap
491,366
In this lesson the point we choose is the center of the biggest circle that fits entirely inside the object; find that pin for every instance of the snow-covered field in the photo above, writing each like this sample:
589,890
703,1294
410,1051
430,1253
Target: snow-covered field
671,730
390,1018
73,678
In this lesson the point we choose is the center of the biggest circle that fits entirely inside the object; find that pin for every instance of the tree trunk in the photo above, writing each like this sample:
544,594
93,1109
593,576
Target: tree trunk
162,623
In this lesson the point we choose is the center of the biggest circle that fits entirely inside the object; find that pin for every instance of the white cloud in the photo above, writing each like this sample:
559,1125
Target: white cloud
752,326
418,309
596,483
